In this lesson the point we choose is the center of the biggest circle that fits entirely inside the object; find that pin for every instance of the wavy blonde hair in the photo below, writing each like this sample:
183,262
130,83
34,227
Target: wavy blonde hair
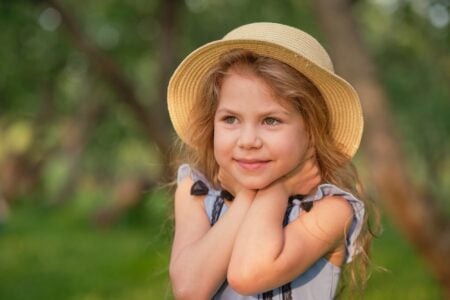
288,84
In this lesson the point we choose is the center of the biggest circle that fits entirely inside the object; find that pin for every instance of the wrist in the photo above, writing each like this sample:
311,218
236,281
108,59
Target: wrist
277,188
245,194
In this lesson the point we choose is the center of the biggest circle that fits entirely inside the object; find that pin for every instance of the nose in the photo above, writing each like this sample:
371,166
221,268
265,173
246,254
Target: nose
249,138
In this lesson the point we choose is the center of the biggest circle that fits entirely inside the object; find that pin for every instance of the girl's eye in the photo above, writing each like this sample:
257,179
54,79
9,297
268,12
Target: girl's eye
229,119
271,121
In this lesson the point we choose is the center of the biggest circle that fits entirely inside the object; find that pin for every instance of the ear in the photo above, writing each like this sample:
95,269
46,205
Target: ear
311,151
311,144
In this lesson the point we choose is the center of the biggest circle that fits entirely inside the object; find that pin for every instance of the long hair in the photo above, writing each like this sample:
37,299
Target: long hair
287,84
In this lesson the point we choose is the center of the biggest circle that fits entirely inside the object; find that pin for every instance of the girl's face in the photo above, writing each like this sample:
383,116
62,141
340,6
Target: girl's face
257,138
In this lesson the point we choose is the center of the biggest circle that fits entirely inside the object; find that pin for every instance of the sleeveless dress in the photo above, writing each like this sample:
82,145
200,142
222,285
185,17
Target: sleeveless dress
320,281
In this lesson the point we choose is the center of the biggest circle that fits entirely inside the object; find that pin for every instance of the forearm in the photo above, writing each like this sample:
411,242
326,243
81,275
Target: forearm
200,267
260,239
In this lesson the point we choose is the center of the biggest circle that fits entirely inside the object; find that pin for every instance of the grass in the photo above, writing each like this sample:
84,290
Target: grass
406,275
58,254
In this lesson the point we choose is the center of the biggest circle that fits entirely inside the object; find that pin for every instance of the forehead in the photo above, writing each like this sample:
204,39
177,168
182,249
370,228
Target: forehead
241,83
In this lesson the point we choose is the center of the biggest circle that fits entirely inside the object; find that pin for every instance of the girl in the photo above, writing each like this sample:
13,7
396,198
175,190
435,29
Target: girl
267,207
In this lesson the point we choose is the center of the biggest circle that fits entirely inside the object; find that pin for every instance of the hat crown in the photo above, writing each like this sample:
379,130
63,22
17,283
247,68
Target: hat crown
285,36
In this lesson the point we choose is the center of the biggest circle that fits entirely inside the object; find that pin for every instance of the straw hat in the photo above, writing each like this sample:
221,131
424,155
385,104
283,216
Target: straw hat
287,44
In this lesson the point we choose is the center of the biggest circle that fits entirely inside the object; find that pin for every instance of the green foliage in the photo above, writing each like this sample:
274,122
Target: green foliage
413,61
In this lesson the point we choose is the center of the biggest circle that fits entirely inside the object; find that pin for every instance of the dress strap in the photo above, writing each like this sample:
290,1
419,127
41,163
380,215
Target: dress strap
217,209
267,295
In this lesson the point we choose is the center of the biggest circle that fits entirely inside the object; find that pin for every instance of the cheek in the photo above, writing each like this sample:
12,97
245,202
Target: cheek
223,138
294,142
220,144
218,138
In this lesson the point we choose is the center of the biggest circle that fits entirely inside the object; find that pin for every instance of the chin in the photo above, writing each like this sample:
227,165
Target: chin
256,184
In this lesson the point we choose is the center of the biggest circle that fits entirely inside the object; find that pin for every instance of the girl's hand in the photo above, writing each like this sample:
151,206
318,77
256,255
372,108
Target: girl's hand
229,183
304,178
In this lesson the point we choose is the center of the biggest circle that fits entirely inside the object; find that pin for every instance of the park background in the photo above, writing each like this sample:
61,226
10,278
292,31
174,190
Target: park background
85,212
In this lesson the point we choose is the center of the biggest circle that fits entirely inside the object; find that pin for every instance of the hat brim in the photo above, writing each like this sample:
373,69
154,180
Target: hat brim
341,99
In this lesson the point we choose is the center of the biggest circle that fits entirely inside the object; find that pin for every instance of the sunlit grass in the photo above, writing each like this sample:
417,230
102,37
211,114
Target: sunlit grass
406,275
58,254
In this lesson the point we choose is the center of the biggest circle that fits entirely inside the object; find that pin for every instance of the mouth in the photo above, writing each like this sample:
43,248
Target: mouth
252,164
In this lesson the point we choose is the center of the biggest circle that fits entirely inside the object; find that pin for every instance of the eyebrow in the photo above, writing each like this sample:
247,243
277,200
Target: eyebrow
263,113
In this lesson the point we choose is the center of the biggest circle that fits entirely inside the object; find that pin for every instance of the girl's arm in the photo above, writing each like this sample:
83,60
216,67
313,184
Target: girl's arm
201,253
266,255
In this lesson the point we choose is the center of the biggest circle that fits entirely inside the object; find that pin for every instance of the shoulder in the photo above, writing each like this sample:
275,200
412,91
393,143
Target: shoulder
333,210
186,177
336,218
183,187
332,205
191,220
185,202
329,219
183,196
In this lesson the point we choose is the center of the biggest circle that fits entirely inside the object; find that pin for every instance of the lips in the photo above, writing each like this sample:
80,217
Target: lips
252,164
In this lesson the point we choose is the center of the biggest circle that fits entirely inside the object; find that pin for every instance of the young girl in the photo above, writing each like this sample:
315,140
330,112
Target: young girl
267,206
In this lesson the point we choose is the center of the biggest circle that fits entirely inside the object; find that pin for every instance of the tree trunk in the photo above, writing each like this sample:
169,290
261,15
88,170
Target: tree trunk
167,45
168,20
418,218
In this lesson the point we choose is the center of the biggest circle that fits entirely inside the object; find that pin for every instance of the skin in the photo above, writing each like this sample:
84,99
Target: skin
248,246
257,138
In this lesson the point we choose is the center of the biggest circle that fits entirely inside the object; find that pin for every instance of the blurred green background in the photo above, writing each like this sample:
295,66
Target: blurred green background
84,210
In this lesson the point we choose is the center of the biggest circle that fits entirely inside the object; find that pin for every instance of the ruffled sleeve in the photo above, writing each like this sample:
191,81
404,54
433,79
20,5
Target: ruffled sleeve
185,171
358,216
